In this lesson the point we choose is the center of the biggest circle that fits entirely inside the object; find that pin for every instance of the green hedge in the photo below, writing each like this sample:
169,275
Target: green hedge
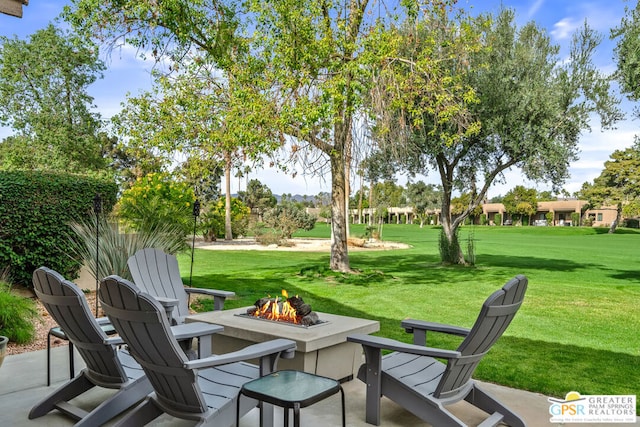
35,210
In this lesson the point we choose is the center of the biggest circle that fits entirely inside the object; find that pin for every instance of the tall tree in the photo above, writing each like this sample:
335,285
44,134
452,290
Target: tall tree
199,36
618,185
158,28
627,52
423,198
202,113
508,101
44,97
315,53
521,201
258,197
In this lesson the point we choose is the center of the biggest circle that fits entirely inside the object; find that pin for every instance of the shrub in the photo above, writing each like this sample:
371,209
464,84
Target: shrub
212,221
575,219
35,210
549,217
483,219
632,223
268,237
448,250
497,219
156,201
289,218
17,316
471,249
368,231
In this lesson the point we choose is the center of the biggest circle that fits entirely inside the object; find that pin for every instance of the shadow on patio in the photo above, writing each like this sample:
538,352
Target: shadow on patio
23,383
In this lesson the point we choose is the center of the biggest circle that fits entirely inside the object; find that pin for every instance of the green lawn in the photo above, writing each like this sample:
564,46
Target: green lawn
578,328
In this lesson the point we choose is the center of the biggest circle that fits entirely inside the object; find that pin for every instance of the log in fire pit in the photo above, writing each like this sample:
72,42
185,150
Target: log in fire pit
291,310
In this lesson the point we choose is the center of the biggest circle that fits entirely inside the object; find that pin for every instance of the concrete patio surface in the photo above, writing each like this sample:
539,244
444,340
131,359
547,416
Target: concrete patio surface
23,383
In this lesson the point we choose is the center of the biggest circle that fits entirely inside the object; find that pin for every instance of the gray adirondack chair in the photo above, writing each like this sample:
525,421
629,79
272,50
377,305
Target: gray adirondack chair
412,377
157,273
203,390
106,366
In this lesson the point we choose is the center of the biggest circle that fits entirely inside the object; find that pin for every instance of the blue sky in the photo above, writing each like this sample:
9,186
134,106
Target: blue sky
128,74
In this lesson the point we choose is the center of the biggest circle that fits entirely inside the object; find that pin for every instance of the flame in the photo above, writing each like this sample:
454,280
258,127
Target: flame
278,310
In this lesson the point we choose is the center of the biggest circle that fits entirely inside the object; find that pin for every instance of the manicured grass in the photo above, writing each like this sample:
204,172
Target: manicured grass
577,329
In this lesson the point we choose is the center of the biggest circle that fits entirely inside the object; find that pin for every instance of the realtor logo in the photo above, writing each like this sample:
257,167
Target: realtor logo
593,409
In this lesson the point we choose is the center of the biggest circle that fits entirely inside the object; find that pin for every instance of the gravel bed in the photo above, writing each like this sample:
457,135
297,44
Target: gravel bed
42,329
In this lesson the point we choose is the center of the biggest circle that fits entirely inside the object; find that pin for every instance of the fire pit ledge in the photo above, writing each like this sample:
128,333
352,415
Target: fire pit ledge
321,350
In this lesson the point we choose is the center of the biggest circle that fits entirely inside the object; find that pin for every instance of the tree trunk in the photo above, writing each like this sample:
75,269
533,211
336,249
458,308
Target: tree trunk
615,223
371,203
453,252
450,251
347,178
228,235
339,248
360,203
347,192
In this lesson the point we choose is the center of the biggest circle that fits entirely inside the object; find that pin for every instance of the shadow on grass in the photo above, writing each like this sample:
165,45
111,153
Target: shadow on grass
628,275
554,369
546,367
399,261
427,268
605,230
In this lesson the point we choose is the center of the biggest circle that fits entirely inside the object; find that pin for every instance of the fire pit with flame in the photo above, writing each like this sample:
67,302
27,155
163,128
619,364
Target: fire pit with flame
291,310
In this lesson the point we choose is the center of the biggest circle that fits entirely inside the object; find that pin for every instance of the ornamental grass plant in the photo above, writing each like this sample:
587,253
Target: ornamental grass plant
115,247
18,315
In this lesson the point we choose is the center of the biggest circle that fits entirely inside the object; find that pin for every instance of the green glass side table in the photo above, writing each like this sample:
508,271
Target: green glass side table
291,389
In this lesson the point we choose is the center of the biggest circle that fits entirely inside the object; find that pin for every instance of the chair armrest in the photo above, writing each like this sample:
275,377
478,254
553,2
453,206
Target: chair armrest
410,324
195,329
419,329
218,296
105,324
113,341
254,351
389,344
103,321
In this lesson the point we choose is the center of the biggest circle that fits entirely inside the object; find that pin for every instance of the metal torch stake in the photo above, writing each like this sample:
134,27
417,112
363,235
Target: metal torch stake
196,214
97,208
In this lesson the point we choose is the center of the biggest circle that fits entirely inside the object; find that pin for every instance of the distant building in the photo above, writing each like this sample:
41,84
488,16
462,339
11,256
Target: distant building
394,215
12,7
561,211
562,214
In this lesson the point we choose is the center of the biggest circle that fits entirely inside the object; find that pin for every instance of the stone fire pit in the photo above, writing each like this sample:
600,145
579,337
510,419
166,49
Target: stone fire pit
322,350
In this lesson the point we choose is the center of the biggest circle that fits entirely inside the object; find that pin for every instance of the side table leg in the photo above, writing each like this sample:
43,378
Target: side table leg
266,415
296,414
344,416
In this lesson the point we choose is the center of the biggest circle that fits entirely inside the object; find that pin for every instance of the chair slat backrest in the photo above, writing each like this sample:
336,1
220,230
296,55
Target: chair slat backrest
157,273
67,305
495,316
142,323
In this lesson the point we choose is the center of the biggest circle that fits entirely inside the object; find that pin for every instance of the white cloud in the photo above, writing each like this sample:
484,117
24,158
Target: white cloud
280,182
533,9
563,29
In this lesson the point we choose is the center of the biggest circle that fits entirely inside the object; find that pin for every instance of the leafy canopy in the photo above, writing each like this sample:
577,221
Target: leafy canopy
155,201
516,104
46,101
